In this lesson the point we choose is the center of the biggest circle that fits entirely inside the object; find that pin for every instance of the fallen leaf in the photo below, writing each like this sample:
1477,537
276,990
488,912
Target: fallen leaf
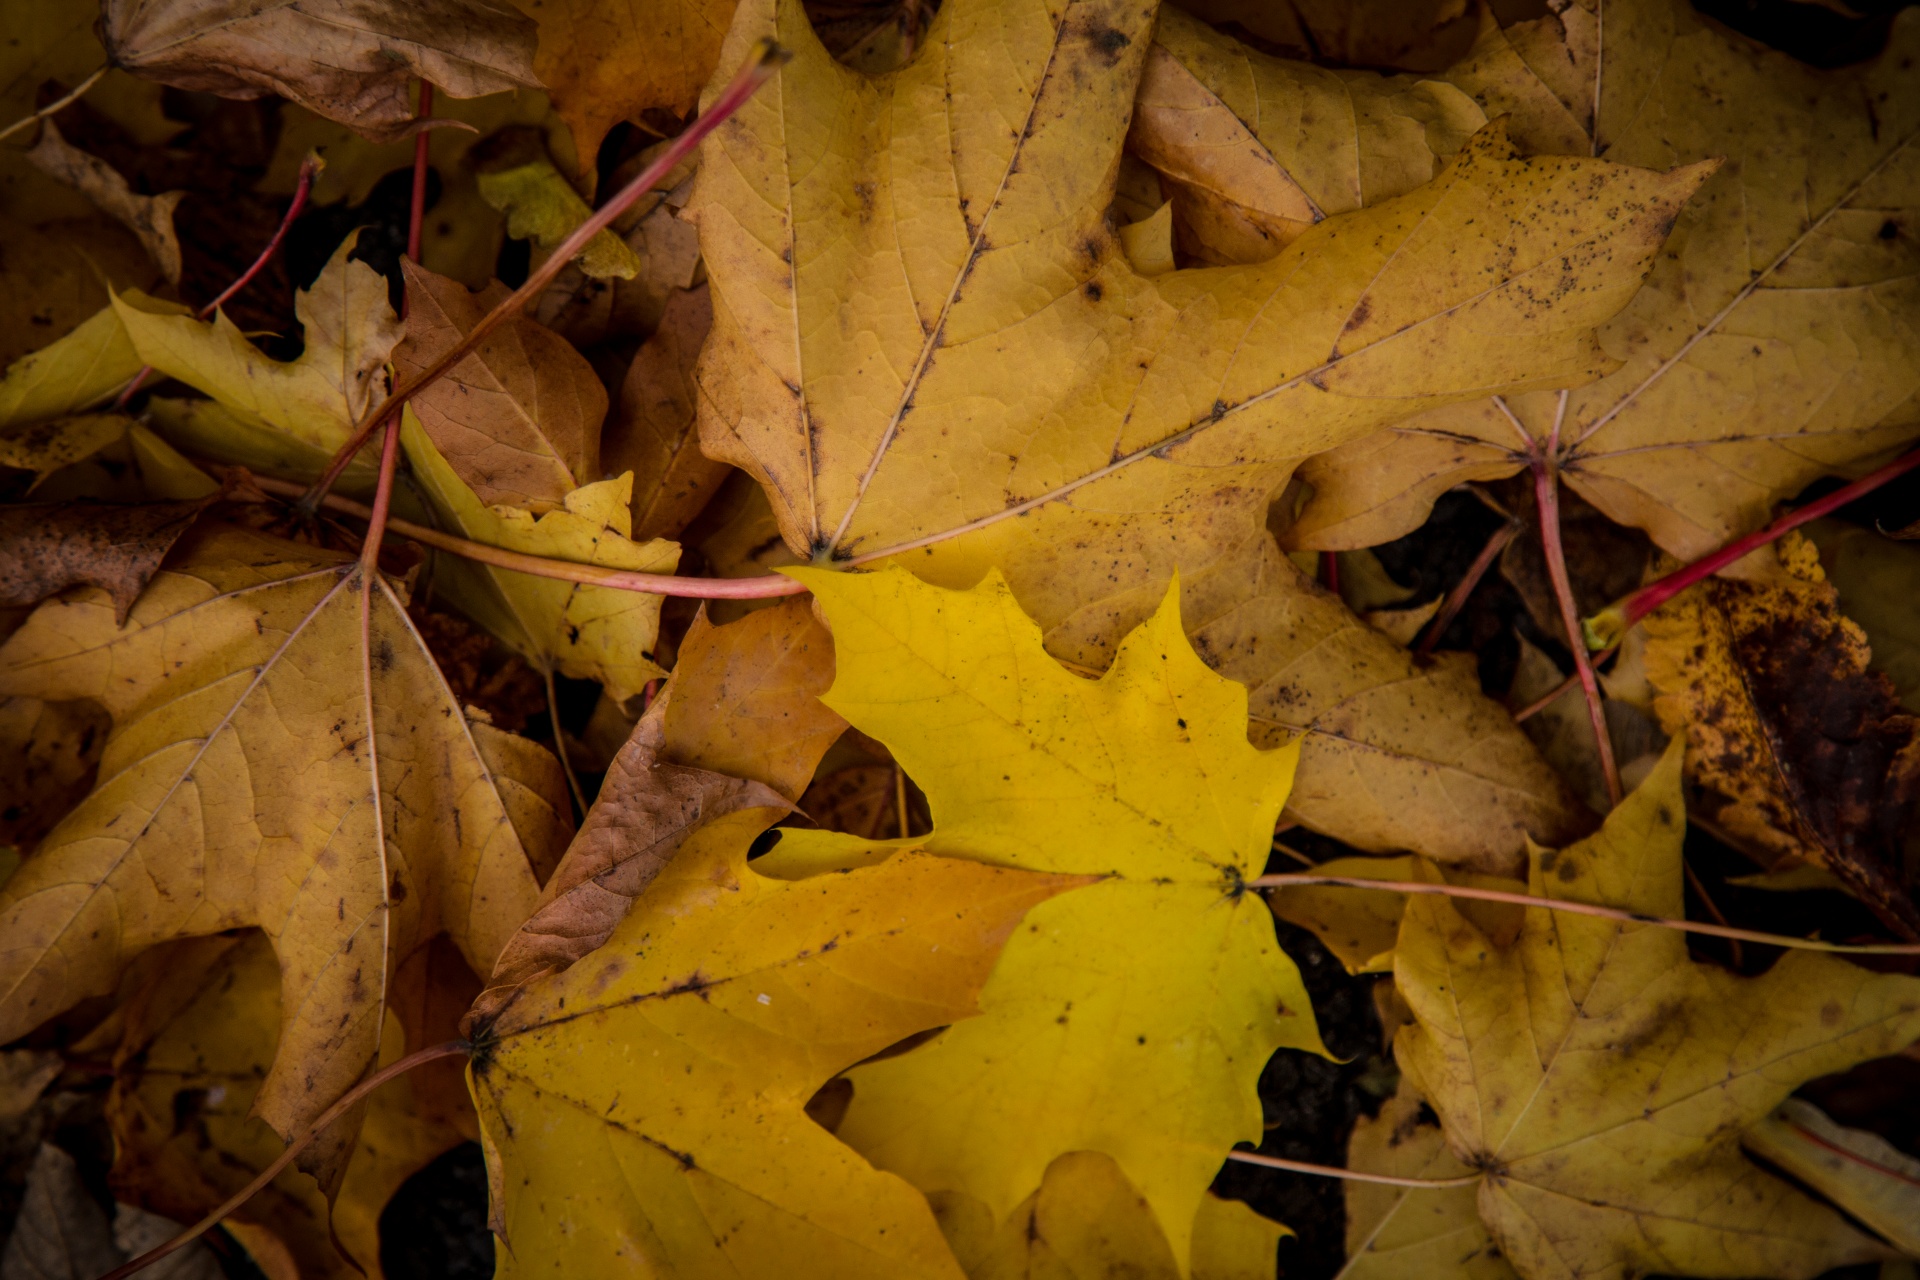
1802,751
48,548
61,1234
859,800
1394,1232
1321,142
150,218
924,327
515,176
1398,753
605,62
135,1231
1878,578
1143,777
652,433
589,633
736,997
124,464
346,60
24,1076
1563,729
76,372
46,447
746,698
1399,34
1776,340
519,419
284,755
1600,1078
1359,926
1863,1173
56,275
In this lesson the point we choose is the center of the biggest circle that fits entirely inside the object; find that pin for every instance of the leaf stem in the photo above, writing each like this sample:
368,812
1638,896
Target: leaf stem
416,211
382,500
1352,1175
1457,598
53,108
765,587
302,188
451,1048
1546,493
1293,879
765,58
1554,694
1605,628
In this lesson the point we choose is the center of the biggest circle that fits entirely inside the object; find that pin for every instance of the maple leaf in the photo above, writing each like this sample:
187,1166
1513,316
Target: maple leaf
734,997
1600,1079
1776,339
515,175
284,754
1407,35
1803,753
1148,1053
1319,142
79,369
927,340
348,60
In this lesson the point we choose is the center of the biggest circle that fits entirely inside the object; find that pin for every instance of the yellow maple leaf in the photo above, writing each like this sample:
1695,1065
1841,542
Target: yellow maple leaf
1777,340
79,370
731,998
1599,1078
928,344
286,755
1148,1052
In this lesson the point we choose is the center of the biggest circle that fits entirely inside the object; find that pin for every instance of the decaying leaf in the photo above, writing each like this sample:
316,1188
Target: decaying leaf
1600,1079
1802,752
652,433
1778,337
1878,578
44,549
1257,149
735,998
61,1234
150,218
284,754
1863,1173
1144,777
928,344
519,419
1403,35
348,60
1397,1232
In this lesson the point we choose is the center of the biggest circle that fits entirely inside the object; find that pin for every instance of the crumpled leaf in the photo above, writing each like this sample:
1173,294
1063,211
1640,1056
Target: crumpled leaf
1395,1232
1862,1172
284,755
519,419
605,61
1801,750
1320,142
735,998
199,1038
1777,340
515,176
589,633
1087,1222
348,60
1600,1078
44,549
924,327
1397,754
349,328
150,218
652,432
1144,777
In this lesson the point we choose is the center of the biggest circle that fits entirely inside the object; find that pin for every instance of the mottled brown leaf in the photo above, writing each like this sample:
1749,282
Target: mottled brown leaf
47,547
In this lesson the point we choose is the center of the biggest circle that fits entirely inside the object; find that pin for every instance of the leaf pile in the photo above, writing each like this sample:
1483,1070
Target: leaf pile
1119,395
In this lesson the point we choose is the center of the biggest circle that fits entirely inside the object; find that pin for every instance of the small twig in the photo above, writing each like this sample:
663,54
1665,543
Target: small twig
1699,887
416,211
1352,1175
451,1048
900,797
761,63
1590,909
1533,709
1457,598
1295,854
764,587
302,188
560,749
1605,628
1329,571
53,108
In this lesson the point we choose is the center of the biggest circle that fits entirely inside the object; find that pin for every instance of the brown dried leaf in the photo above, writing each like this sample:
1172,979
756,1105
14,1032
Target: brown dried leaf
149,217
348,60
519,419
1801,751
61,1234
653,435
47,547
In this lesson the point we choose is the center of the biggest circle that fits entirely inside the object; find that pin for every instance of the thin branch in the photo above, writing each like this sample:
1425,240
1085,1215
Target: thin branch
1554,695
1352,1175
1457,598
1699,887
54,108
1546,491
416,211
451,1048
1293,879
900,797
765,59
